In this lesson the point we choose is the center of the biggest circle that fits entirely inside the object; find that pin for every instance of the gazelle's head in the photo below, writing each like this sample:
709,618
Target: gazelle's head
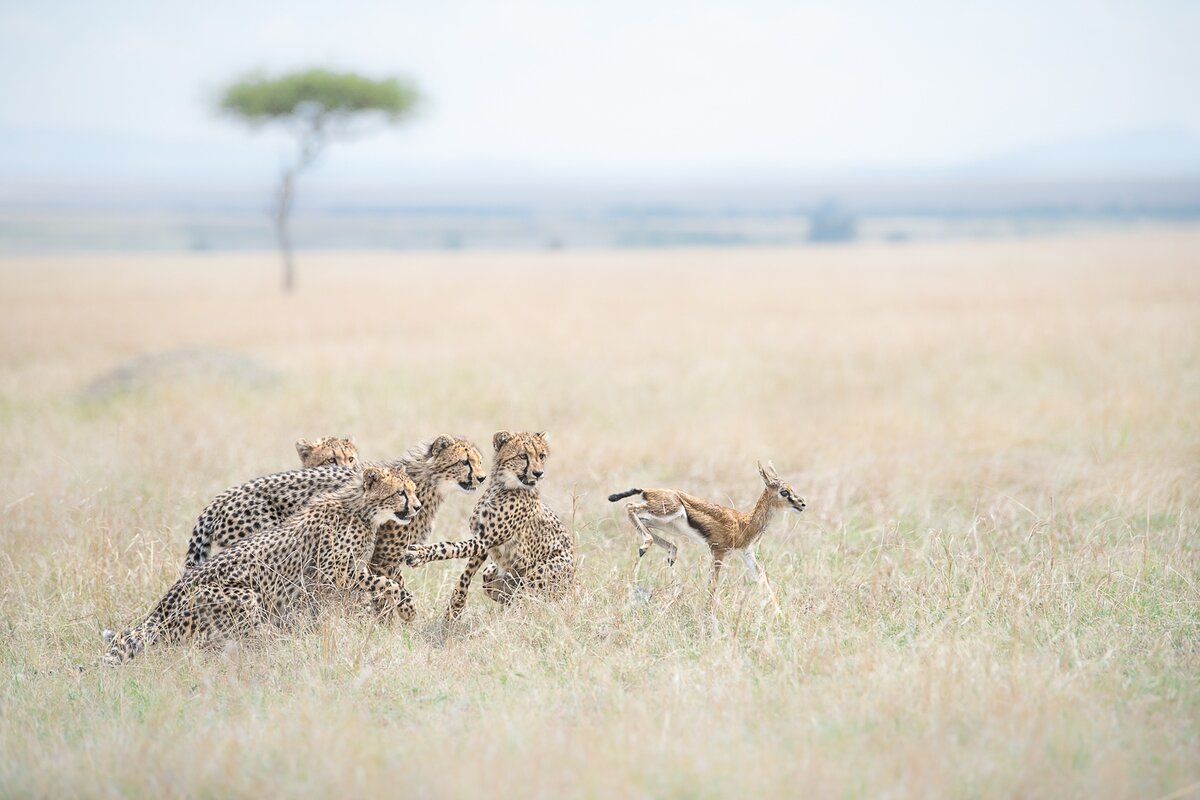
520,458
782,492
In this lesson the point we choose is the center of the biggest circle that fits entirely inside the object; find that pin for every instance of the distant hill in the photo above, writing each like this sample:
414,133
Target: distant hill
1133,172
1161,153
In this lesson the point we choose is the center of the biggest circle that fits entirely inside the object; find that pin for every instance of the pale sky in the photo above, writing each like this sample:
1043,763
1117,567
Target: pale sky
647,85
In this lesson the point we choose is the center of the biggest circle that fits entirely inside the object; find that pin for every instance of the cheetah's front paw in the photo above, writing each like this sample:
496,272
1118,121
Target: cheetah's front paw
406,609
417,555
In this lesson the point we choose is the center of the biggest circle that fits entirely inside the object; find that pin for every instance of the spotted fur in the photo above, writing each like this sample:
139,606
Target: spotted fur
446,464
283,571
327,451
436,467
529,547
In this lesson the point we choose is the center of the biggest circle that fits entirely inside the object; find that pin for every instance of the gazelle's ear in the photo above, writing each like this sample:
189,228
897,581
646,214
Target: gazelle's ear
500,439
304,447
763,473
371,478
772,471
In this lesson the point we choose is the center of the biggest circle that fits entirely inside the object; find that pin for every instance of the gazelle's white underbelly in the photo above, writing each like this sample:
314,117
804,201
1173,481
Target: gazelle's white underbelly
676,526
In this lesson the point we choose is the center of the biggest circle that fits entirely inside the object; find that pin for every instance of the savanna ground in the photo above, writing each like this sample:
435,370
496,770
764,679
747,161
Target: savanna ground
995,591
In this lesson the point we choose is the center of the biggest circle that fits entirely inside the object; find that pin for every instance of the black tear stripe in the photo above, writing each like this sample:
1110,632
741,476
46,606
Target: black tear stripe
697,526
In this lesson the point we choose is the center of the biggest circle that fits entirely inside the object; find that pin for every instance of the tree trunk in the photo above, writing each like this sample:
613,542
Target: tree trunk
283,210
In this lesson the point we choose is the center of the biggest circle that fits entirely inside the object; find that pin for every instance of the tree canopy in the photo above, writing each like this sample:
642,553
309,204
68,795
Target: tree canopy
317,94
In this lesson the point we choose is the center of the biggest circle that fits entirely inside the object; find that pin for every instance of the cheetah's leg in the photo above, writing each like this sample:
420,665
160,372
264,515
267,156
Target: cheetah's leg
551,578
388,595
499,584
459,599
419,554
221,613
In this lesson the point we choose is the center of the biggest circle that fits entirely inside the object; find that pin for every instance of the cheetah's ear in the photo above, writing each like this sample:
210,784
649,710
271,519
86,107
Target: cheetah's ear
304,447
500,439
439,444
545,437
371,478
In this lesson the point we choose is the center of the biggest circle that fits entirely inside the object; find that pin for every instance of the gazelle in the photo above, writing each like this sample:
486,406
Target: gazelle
723,530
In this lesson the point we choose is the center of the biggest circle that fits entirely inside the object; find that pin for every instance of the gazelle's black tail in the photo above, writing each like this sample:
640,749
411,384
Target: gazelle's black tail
612,498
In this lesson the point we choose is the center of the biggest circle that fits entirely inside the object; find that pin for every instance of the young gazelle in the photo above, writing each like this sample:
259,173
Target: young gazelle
724,530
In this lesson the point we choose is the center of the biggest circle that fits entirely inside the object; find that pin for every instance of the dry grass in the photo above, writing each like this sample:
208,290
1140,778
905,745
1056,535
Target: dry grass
995,591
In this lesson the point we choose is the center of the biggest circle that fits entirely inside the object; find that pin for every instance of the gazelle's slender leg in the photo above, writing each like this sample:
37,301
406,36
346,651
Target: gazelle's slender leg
759,575
718,554
649,537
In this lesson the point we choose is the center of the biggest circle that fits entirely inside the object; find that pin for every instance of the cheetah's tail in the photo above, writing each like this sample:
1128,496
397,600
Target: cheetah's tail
200,544
124,646
612,498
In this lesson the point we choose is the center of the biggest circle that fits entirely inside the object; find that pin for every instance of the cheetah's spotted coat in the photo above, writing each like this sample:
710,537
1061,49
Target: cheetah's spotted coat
529,547
275,575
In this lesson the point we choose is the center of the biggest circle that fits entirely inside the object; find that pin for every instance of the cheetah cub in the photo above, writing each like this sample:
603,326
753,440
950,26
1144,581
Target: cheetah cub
723,530
275,575
529,547
327,451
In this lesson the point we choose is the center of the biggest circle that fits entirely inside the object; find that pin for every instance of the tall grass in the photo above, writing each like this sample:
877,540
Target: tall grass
995,591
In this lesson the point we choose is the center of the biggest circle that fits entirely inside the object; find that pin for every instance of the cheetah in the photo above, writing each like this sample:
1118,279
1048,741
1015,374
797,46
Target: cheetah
436,467
723,530
529,547
272,576
327,451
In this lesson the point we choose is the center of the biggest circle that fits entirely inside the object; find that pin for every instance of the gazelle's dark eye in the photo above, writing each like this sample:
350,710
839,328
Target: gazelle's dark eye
785,493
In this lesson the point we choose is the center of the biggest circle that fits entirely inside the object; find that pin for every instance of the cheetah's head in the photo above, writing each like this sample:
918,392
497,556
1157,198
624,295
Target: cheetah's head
520,458
455,462
389,495
327,450
783,493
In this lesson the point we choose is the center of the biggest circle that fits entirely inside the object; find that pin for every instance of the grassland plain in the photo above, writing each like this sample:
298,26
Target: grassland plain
995,591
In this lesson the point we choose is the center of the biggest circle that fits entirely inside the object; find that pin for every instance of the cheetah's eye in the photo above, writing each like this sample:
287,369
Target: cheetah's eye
466,462
331,461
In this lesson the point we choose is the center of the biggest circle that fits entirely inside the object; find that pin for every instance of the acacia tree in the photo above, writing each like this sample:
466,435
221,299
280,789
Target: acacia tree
317,106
